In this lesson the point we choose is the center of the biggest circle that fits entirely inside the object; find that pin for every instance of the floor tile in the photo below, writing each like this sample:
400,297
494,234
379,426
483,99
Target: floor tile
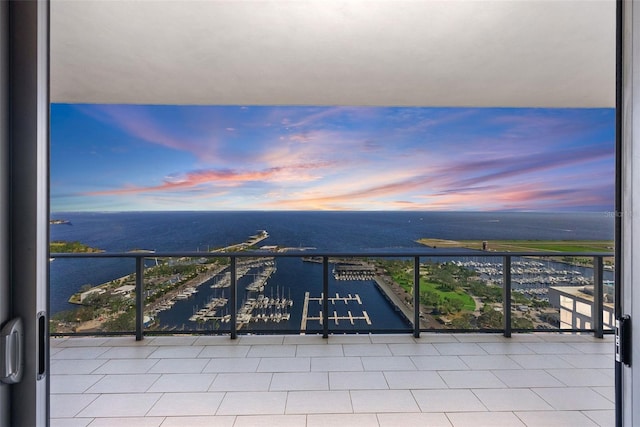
202,421
552,348
506,348
607,392
515,399
539,361
272,351
173,352
471,379
80,342
392,338
383,401
187,404
496,361
120,405
340,364
61,384
128,352
284,364
318,402
253,403
438,363
224,351
366,350
484,419
261,339
555,419
125,341
594,347
131,383
221,340
271,421
231,365
414,380
566,337
292,381
128,422
349,339
448,401
606,418
69,405
79,353
592,361
527,378
574,398
126,366
242,382
174,341
459,349
581,377
357,381
431,338
388,363
70,422
175,383
413,349
413,420
481,338
343,420
305,339
320,350
179,366
64,367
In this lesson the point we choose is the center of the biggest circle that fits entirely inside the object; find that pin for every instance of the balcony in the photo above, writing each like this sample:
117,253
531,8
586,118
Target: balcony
345,370
443,379
262,292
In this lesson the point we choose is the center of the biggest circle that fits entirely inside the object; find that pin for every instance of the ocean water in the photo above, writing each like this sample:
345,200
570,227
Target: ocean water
325,231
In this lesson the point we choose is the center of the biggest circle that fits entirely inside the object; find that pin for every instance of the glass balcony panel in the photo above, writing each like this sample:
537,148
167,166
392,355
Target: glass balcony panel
91,295
187,294
363,296
284,294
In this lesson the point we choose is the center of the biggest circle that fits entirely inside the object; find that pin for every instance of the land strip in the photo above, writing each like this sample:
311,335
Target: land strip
524,245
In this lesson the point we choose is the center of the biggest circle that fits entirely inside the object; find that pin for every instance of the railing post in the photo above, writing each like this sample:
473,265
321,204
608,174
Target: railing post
139,298
416,297
598,327
325,295
233,299
506,295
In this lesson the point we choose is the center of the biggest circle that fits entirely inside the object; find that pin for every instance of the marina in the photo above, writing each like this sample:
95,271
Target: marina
347,300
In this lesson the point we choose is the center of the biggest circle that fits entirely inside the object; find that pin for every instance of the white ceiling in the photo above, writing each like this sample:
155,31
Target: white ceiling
327,52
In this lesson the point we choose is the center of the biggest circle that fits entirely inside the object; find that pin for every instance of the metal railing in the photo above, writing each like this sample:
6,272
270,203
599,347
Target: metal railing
416,256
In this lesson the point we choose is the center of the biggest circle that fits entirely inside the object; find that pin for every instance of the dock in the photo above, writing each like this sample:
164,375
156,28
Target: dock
336,318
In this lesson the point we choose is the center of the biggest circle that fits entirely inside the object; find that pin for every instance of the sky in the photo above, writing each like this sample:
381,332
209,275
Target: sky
235,158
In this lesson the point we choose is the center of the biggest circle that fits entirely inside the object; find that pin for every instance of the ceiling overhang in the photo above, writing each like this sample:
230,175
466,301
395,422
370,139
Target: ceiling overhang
517,53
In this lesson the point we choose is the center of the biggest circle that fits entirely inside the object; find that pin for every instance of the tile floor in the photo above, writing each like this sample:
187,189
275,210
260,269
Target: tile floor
363,380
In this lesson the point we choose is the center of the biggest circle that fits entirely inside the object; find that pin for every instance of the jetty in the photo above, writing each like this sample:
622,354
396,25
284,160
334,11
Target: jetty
336,318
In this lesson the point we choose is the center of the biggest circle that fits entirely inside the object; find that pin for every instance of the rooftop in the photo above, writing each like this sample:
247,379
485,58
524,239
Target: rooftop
539,379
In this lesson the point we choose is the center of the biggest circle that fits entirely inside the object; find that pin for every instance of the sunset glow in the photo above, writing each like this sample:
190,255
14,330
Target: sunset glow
119,158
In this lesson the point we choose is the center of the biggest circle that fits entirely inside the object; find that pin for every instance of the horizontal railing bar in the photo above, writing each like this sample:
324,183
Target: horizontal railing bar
456,254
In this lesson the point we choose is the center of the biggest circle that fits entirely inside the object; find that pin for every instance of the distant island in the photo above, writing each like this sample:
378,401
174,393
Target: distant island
71,247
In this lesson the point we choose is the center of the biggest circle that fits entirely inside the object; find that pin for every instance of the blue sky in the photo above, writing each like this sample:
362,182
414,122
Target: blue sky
137,157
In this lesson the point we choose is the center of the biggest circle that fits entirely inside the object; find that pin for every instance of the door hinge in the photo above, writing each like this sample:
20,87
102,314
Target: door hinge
11,352
623,340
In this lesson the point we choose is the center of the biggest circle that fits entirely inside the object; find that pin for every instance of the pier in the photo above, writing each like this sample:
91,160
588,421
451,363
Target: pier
336,317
